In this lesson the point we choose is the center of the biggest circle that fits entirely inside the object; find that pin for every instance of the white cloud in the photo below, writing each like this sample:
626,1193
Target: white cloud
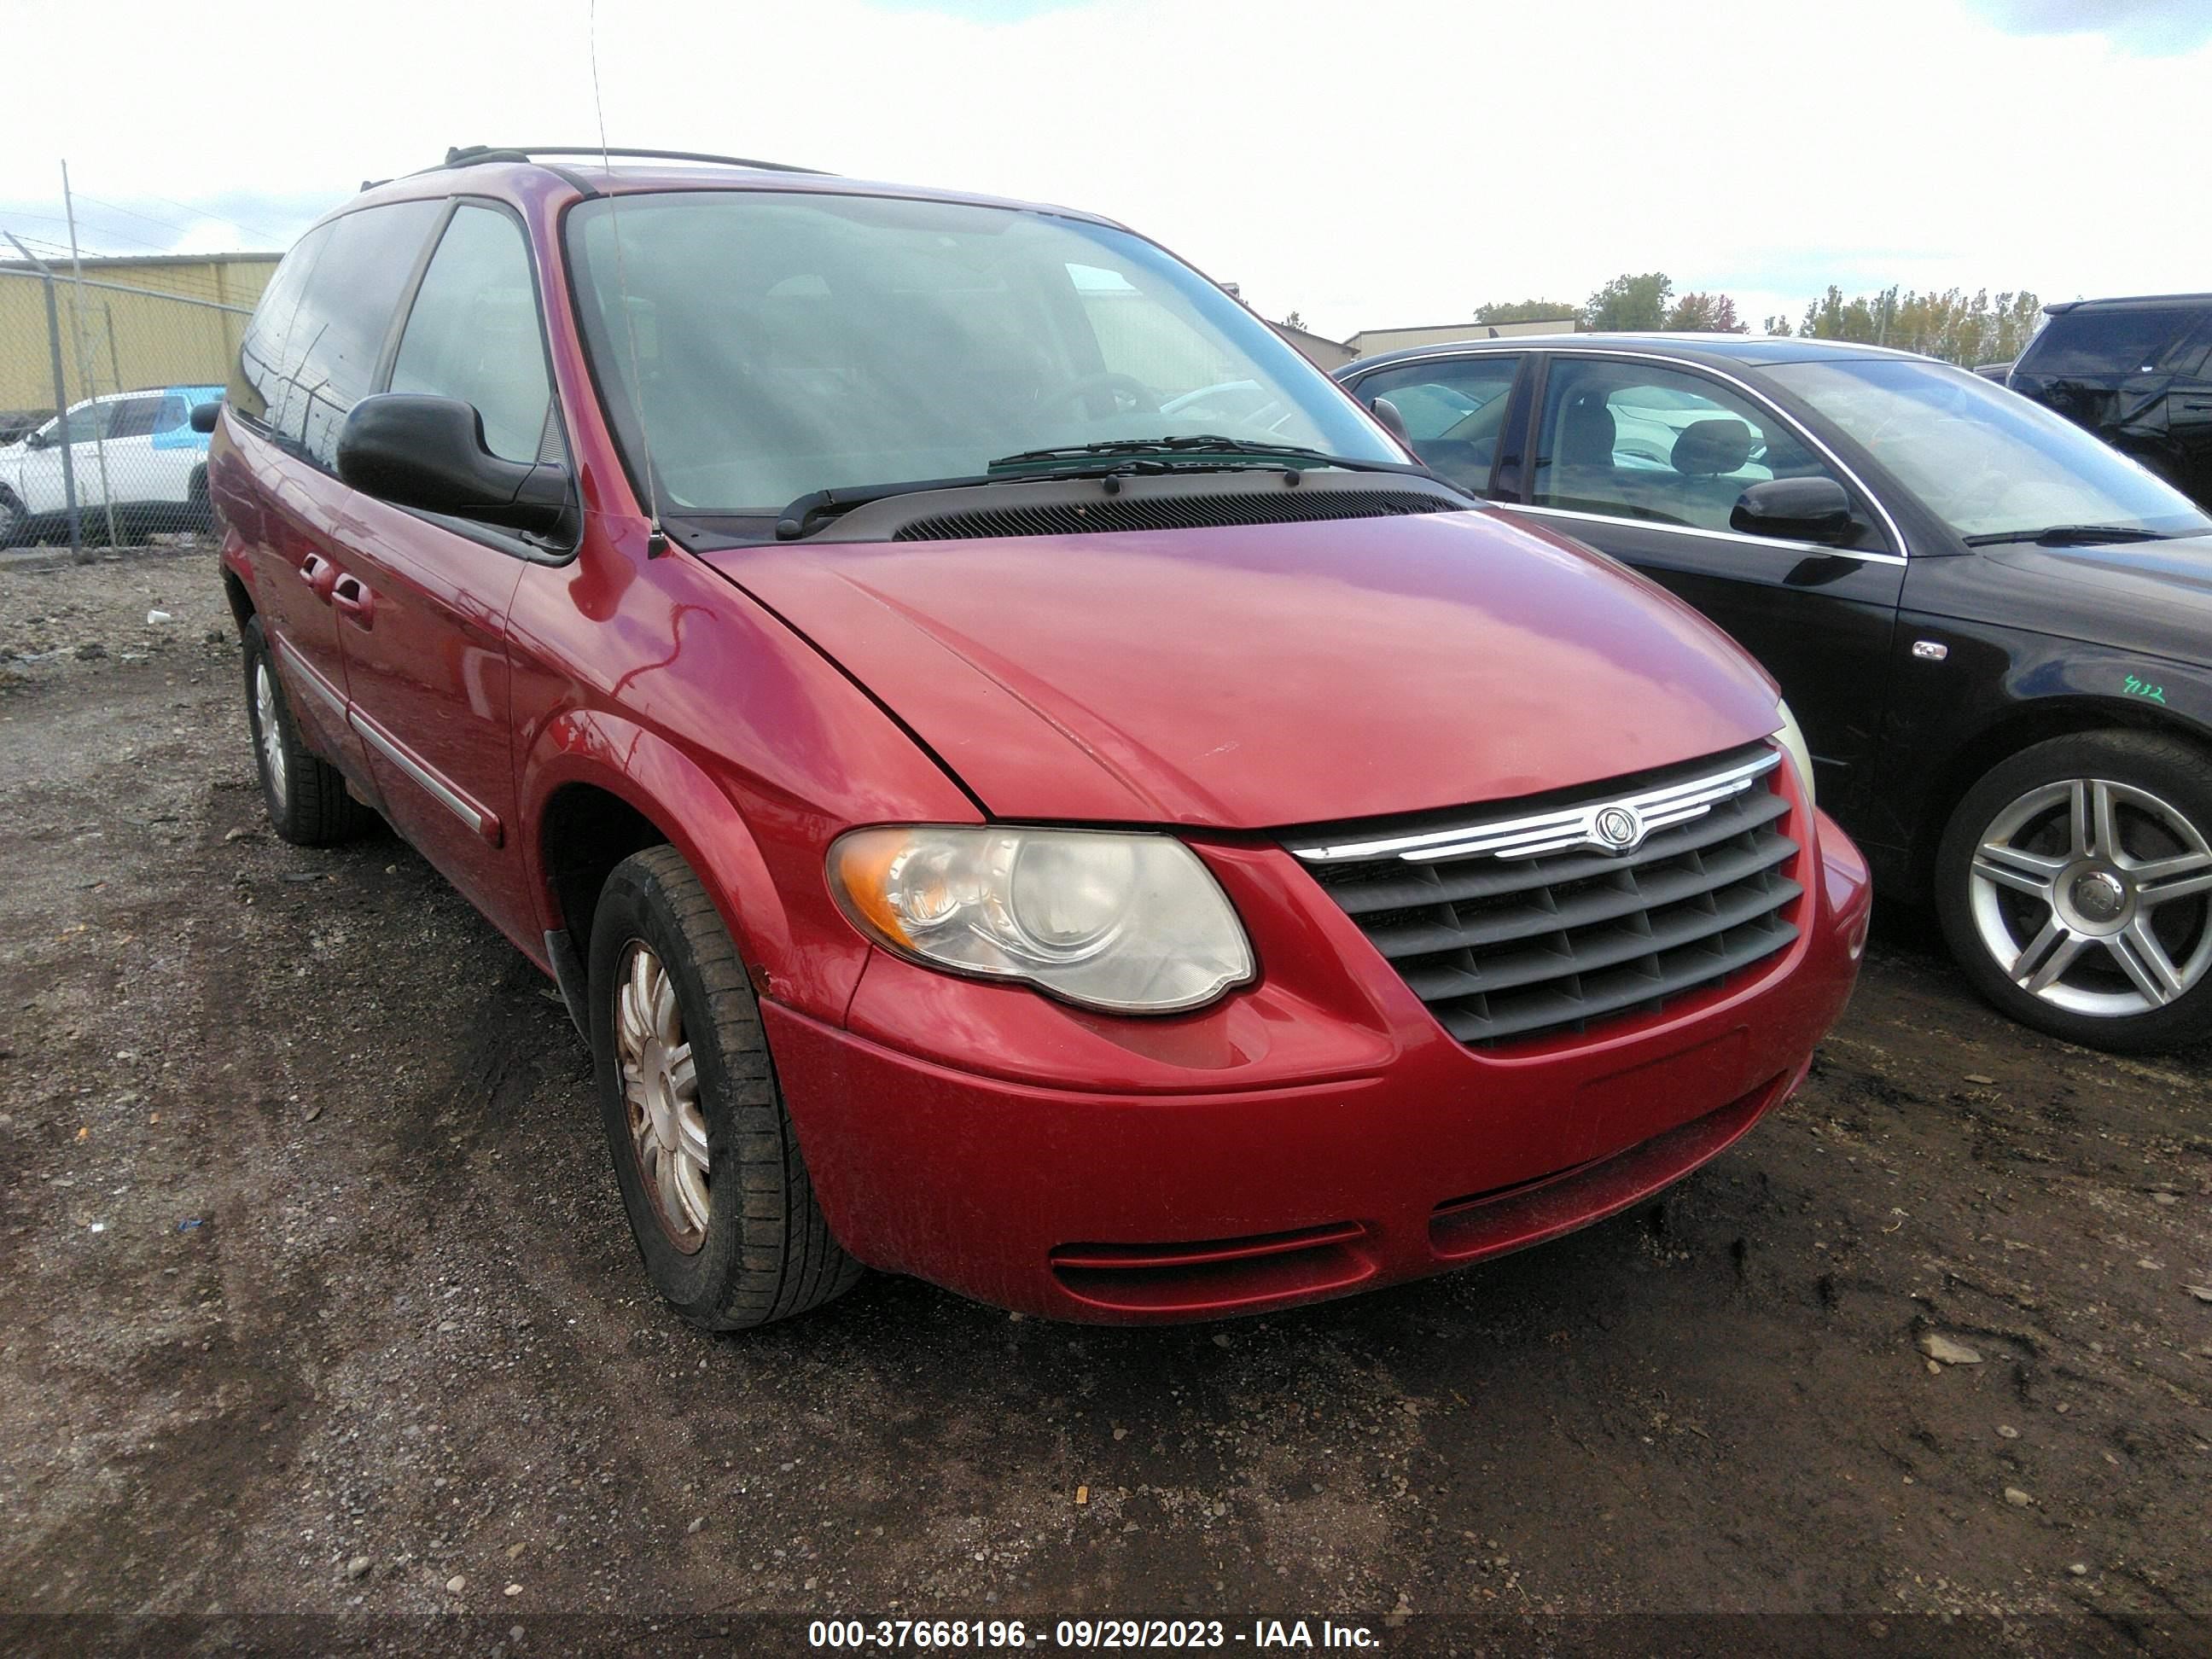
1399,163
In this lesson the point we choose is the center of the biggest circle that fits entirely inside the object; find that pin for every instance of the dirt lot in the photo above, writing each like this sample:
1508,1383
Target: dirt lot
317,1300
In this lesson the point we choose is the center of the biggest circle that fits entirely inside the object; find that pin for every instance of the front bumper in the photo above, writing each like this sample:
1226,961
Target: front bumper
1377,1149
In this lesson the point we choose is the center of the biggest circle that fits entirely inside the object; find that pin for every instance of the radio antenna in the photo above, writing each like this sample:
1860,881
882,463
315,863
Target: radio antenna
656,540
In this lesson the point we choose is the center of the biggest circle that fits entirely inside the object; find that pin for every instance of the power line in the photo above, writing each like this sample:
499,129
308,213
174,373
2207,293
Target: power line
132,213
258,230
181,230
105,234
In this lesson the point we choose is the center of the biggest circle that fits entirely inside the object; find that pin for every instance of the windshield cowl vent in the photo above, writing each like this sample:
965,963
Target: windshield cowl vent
1091,506
1182,512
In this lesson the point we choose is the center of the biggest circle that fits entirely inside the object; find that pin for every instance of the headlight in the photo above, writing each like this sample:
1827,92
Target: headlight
1793,740
1131,924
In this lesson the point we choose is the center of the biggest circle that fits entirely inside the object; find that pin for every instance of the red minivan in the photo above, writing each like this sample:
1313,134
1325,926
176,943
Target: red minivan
1020,780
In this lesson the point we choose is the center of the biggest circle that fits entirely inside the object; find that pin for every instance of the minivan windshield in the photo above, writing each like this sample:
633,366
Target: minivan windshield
1993,465
788,343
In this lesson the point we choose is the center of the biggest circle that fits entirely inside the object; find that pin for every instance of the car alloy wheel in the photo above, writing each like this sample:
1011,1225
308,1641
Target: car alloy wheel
660,1089
270,730
2095,896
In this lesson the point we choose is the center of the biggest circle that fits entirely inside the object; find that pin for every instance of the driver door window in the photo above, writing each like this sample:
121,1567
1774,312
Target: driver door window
1455,411
473,333
86,423
1670,447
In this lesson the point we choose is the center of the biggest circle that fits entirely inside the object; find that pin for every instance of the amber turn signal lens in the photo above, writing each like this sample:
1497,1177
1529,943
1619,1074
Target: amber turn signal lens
860,869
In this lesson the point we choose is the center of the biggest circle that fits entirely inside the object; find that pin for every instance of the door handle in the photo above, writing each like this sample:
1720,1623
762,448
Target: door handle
319,574
354,600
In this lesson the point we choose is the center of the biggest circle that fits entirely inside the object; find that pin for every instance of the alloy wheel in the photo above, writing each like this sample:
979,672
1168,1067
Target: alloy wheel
2096,897
660,1091
269,730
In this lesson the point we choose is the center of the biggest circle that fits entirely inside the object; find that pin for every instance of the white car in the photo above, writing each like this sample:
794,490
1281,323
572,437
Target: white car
135,449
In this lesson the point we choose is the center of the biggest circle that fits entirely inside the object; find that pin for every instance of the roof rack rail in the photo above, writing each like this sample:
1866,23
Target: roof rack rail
464,155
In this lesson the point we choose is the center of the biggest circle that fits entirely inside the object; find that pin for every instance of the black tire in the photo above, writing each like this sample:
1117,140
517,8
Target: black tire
198,516
765,1252
14,521
307,805
2178,776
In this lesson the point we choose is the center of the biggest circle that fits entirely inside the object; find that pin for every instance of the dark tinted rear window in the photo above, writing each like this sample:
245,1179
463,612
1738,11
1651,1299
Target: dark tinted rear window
345,314
311,351
2110,342
257,388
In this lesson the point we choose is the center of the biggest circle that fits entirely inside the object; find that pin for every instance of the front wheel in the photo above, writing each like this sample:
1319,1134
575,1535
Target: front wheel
717,1194
15,519
2074,886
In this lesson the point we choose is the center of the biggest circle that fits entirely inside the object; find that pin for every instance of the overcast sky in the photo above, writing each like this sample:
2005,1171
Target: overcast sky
1385,163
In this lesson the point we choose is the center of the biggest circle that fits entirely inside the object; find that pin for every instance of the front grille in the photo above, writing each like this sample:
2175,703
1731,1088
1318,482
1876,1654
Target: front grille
1526,922
1177,512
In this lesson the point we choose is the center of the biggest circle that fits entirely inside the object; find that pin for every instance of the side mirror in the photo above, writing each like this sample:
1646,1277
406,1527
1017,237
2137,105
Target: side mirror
428,453
1392,422
1801,509
204,415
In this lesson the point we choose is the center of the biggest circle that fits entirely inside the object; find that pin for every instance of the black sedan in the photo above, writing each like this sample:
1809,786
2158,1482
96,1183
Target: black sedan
1995,632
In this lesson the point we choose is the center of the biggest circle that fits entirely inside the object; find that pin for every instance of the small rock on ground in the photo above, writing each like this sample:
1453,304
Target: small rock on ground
1936,1346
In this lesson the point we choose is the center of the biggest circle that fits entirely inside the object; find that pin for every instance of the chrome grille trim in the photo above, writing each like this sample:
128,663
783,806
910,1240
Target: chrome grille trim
1536,924
1572,827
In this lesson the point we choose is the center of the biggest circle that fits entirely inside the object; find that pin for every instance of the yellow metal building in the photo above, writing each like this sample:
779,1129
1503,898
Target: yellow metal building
153,321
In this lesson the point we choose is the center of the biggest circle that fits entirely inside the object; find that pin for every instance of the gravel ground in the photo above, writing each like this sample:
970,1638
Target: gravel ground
319,1302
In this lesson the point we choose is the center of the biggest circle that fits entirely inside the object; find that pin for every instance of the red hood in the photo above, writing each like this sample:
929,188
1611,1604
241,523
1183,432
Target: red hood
1249,678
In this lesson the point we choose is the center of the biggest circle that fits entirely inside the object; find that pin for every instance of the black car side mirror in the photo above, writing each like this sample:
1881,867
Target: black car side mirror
1392,422
204,415
429,453
1799,509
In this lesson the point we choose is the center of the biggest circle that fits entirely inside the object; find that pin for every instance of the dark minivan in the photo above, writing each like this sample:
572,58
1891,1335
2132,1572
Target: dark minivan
2135,372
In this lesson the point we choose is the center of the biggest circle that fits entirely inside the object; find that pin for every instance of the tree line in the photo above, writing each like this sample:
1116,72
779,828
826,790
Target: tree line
1956,326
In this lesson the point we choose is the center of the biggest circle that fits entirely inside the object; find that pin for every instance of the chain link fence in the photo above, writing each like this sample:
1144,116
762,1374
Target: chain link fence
102,363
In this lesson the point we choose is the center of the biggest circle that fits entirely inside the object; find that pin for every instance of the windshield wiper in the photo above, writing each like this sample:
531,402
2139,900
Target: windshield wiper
808,510
2072,535
1180,450
1116,457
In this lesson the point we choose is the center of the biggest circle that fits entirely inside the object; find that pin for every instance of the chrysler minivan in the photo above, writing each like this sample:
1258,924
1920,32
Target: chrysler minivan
1019,779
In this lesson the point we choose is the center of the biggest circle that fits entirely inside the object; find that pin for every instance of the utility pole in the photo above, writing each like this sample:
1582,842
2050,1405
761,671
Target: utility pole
83,359
61,396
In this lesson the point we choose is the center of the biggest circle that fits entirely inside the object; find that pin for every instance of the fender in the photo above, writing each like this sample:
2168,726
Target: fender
1947,726
2133,688
233,560
795,960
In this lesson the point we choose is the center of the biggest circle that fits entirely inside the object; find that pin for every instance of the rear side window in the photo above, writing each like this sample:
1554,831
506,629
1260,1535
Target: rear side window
344,315
134,418
258,384
473,332
2111,342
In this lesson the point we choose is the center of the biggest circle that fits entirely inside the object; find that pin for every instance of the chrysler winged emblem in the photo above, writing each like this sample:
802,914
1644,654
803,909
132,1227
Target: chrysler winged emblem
1620,828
